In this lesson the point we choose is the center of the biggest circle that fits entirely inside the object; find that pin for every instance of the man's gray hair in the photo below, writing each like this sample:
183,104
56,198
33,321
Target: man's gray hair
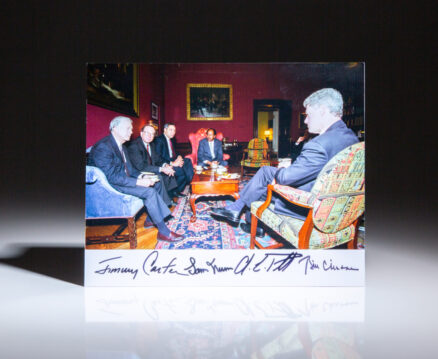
117,121
328,97
166,125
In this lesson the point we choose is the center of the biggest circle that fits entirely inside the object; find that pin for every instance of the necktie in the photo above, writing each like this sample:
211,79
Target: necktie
148,148
124,161
172,151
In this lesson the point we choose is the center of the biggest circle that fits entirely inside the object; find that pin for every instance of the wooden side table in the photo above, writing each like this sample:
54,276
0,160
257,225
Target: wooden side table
207,184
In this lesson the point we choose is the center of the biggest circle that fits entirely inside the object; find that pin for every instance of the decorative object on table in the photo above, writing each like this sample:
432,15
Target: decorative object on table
255,156
195,138
114,87
336,203
209,102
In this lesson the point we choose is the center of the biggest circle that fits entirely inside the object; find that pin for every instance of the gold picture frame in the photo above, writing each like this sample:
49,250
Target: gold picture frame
209,102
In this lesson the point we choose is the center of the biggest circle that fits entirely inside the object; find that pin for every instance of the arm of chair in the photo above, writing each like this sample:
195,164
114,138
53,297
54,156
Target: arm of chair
306,229
294,195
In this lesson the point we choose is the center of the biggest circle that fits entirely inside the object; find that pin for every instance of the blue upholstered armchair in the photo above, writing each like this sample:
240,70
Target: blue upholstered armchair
102,201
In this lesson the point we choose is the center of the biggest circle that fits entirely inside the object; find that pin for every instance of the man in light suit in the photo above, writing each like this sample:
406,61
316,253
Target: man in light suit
145,158
324,117
111,156
210,150
165,146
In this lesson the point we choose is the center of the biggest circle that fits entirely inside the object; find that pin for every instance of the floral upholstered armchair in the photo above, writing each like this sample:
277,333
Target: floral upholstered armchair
335,203
255,156
195,138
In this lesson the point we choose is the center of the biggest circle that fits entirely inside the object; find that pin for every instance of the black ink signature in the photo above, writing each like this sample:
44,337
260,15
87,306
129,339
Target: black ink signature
332,267
149,265
216,268
309,264
112,270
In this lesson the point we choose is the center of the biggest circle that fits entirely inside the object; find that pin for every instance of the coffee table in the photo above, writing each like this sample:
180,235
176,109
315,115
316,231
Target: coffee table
207,184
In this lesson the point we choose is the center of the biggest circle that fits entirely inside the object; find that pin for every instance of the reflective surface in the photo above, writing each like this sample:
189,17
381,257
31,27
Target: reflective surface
46,313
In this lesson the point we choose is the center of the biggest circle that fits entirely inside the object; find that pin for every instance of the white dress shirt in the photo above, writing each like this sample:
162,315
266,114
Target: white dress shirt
169,146
211,144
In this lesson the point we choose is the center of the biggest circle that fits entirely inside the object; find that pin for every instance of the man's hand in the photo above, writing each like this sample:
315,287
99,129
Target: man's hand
145,182
215,163
179,162
168,170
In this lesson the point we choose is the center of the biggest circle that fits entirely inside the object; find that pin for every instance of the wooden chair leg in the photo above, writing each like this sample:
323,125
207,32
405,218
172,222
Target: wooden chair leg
353,243
254,221
132,233
306,231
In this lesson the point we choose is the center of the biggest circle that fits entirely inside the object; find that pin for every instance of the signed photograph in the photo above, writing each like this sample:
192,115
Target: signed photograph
287,174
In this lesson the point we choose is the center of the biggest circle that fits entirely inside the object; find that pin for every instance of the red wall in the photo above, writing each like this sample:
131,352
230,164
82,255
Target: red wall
150,89
165,84
249,81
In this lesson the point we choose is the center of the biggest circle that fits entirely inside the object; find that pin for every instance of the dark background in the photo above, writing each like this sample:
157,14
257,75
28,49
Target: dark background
43,90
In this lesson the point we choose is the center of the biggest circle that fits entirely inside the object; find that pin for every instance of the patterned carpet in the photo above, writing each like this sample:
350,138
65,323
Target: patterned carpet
206,232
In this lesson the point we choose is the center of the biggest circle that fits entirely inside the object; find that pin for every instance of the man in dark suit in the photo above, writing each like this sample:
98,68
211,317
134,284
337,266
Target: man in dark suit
145,158
111,156
297,146
165,146
324,118
210,150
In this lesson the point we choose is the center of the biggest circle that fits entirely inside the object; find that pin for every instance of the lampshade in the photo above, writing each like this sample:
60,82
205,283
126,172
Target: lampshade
267,133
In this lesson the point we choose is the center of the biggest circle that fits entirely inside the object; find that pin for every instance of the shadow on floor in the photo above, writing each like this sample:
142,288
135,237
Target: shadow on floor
62,263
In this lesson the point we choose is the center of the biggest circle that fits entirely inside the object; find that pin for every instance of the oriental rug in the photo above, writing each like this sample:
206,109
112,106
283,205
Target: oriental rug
206,232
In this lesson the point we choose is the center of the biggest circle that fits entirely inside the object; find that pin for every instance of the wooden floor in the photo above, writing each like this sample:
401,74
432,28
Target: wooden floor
146,238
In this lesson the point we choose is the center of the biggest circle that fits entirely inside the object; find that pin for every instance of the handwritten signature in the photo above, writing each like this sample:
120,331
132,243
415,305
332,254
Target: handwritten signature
270,262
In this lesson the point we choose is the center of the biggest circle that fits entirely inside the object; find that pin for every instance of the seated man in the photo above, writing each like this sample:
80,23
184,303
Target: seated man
165,146
324,118
297,146
111,157
145,158
210,150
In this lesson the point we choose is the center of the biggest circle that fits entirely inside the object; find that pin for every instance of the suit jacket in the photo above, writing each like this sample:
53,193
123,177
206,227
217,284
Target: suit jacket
204,153
302,173
163,149
141,159
106,155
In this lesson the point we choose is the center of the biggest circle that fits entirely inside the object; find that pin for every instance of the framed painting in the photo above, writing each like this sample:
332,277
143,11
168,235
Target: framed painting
114,87
209,102
154,111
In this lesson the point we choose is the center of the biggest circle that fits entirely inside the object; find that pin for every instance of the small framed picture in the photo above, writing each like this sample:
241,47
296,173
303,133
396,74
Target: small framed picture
154,111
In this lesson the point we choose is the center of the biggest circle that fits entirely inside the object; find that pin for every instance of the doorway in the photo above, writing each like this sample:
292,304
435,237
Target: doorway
272,119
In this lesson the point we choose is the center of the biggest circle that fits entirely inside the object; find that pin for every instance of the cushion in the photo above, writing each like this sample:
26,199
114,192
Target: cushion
289,228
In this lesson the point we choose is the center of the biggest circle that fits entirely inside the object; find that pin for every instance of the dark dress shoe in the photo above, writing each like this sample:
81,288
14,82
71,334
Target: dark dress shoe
246,227
178,195
232,216
172,237
147,224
